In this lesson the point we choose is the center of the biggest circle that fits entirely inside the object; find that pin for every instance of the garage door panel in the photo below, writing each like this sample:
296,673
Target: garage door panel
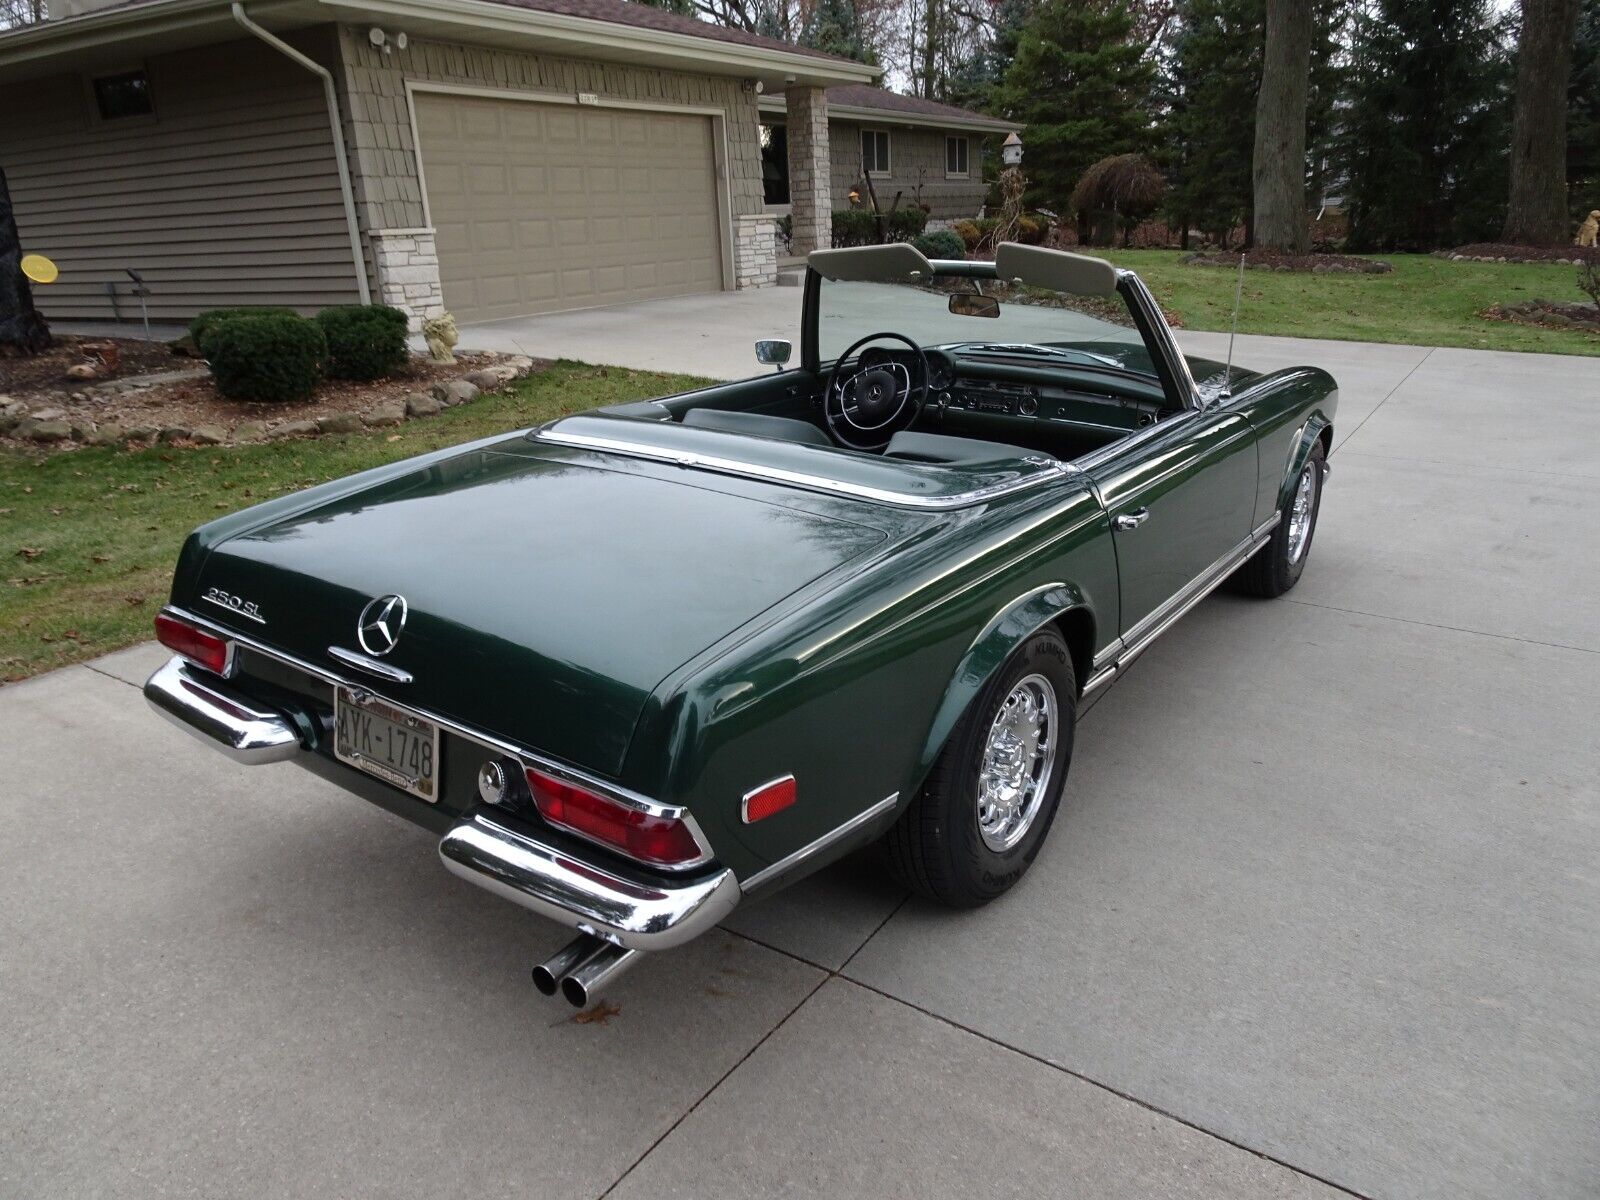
539,207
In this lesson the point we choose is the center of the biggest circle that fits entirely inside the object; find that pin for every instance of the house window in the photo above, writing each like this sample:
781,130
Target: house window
124,95
955,156
875,151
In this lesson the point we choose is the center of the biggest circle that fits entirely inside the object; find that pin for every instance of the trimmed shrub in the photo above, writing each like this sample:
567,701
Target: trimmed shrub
1031,230
941,243
854,227
907,222
365,341
969,233
272,357
200,327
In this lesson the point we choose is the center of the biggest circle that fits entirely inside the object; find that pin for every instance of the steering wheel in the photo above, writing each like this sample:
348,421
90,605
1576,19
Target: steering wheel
864,406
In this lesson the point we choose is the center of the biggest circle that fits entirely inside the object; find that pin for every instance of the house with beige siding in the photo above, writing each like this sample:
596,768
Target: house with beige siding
496,158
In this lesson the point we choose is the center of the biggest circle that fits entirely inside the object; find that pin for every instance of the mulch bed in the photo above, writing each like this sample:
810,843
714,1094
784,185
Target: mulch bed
1547,313
47,373
1506,252
1267,260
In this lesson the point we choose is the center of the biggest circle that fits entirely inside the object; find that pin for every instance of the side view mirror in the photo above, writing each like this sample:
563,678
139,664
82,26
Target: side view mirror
967,304
774,352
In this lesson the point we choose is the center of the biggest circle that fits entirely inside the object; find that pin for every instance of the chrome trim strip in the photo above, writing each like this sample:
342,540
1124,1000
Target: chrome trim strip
499,854
371,665
802,479
200,704
744,800
490,742
786,865
1143,635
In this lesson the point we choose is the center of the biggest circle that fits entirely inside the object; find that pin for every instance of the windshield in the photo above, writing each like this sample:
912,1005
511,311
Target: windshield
1021,321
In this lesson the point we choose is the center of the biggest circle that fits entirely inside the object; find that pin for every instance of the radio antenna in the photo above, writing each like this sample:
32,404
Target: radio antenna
1238,294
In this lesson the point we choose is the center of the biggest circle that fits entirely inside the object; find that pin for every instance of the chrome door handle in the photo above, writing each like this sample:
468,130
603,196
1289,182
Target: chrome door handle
1131,520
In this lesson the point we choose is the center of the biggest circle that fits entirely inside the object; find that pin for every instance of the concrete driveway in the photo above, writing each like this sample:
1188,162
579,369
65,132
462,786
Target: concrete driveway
1321,914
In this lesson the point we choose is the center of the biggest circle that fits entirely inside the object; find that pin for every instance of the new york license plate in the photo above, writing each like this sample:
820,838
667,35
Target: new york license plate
387,742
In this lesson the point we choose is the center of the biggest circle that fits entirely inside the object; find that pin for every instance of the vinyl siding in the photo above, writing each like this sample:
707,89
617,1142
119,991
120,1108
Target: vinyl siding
916,159
229,194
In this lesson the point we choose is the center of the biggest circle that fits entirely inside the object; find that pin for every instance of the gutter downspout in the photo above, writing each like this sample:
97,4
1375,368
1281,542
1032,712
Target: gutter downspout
338,139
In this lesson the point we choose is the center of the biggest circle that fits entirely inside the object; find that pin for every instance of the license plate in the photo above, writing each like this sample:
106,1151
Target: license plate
387,742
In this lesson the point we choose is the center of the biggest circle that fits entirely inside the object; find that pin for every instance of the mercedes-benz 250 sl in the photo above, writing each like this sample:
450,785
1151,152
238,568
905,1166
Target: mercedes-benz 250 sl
640,664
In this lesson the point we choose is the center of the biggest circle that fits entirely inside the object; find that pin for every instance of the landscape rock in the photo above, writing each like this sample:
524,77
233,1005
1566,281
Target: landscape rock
172,433
50,414
141,433
490,378
209,435
46,431
457,391
522,363
295,429
80,430
340,423
83,371
420,404
105,435
249,431
390,412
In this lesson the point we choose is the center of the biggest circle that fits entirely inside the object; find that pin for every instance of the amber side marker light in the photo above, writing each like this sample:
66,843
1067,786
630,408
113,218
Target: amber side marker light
660,841
767,799
199,646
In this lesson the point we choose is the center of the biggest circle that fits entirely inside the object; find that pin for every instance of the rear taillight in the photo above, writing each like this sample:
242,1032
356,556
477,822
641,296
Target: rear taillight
659,841
199,646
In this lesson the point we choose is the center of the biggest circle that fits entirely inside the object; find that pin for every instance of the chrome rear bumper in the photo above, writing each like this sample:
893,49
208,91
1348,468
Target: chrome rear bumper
489,849
207,707
493,849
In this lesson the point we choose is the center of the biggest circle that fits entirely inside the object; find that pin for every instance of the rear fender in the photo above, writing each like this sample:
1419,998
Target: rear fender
995,643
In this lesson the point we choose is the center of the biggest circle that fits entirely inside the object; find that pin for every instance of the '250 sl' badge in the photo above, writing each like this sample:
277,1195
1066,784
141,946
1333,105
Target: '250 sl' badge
235,604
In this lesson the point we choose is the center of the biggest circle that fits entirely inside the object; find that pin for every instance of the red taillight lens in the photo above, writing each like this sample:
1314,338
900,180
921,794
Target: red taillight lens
198,646
769,798
661,841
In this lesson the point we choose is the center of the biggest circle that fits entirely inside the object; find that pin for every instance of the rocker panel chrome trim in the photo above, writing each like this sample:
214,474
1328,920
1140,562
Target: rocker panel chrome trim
785,866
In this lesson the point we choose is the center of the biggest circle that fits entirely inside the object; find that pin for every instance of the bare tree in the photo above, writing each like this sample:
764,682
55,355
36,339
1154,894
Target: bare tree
1537,214
1279,165
22,329
21,12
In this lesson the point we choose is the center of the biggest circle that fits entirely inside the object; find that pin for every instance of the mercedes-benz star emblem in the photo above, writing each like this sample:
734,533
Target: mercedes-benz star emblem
380,624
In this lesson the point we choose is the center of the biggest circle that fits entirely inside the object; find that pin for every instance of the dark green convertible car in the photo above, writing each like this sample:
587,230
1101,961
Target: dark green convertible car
640,664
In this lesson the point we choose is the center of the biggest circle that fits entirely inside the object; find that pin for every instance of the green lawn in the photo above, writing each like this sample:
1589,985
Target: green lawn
89,537
1425,301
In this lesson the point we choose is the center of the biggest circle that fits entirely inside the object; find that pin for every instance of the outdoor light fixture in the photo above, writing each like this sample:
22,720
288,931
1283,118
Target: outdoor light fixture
381,39
1011,150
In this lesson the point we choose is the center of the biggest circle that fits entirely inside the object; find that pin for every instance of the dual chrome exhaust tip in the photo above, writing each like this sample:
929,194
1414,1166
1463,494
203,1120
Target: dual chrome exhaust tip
581,968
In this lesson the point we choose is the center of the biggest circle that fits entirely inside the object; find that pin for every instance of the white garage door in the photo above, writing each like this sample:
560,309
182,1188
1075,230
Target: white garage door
539,207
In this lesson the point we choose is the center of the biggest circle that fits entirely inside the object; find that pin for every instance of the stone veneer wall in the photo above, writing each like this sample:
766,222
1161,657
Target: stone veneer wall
916,157
377,117
406,263
755,250
810,209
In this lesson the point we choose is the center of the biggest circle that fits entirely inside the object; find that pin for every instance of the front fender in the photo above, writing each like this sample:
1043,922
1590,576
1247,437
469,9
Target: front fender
1300,450
995,642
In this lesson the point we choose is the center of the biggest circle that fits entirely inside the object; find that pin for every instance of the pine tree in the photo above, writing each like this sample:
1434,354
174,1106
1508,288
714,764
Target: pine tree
834,26
1424,140
1537,212
1280,143
1583,116
1213,64
1080,85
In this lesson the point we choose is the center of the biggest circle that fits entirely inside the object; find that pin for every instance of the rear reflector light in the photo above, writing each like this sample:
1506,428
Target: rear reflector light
197,645
767,799
660,841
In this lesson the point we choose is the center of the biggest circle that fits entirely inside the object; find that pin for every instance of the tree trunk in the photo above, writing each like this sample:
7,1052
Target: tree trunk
21,326
1537,214
1279,164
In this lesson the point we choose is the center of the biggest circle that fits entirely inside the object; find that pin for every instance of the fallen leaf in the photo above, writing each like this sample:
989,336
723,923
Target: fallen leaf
600,1014
134,600
29,552
100,558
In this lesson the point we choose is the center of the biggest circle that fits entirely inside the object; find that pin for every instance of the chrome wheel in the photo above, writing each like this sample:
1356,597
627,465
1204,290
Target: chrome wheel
1305,500
1018,758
